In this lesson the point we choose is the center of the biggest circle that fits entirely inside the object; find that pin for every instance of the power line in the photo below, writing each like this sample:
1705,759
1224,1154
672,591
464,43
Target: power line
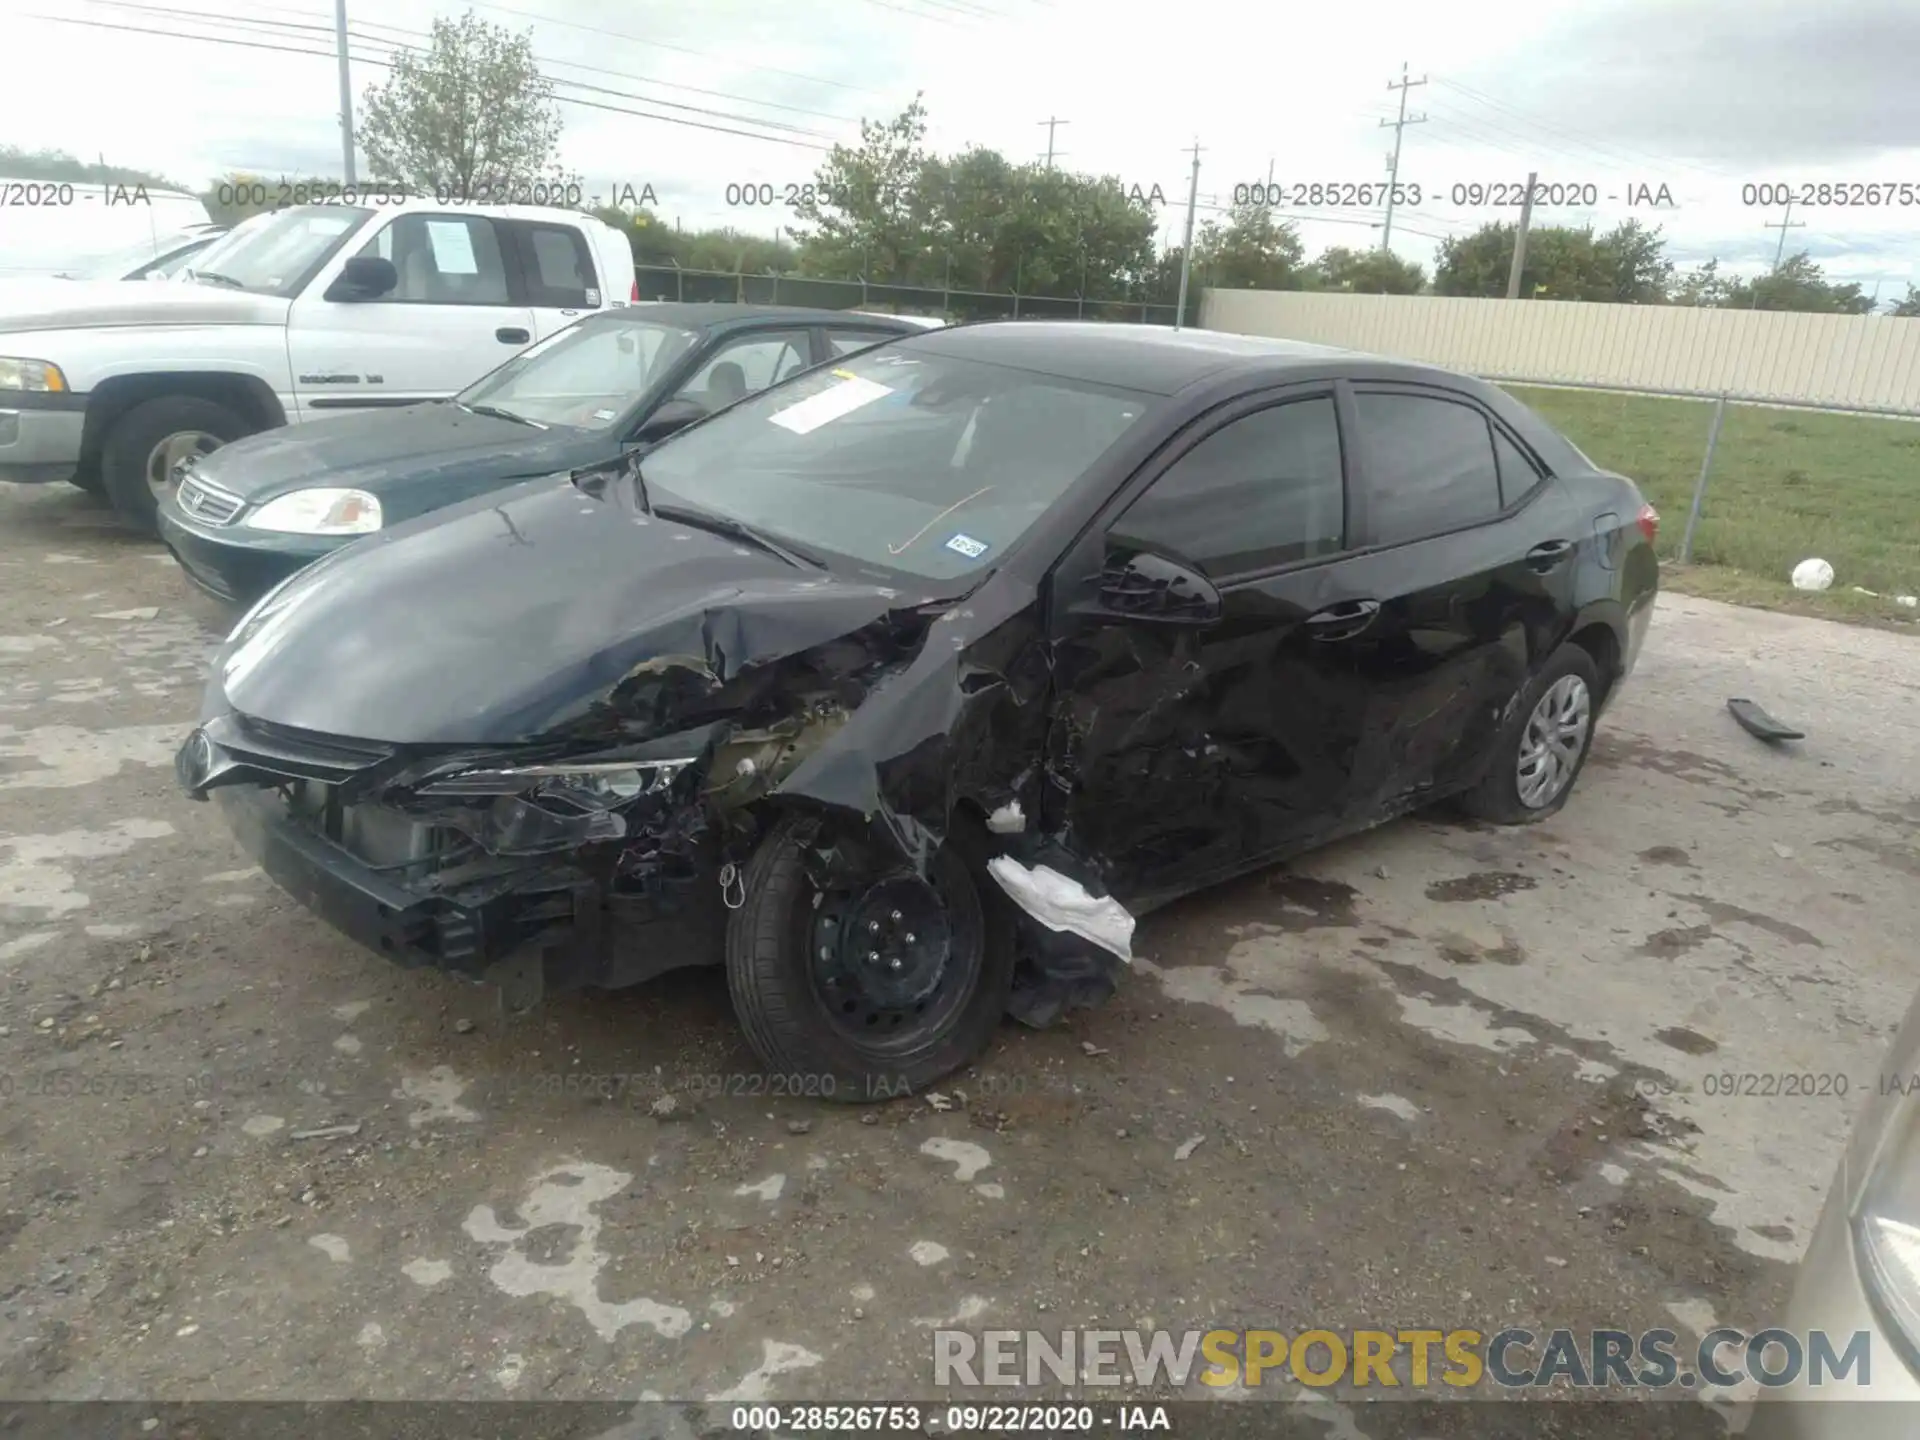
916,14
387,64
666,45
276,26
1533,122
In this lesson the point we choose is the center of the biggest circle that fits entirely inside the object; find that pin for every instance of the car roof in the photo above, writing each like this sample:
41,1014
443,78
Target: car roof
1156,359
699,315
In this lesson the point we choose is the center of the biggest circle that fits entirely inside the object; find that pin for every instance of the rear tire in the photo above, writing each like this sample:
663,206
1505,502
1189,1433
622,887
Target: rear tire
135,445
1543,747
800,1011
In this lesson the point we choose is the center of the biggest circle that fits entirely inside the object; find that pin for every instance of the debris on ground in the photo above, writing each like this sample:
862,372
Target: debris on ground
463,1027
1093,1049
1760,724
326,1132
1187,1147
1812,573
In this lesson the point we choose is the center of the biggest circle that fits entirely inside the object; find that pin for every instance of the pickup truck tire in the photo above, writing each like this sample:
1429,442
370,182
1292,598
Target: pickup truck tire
138,438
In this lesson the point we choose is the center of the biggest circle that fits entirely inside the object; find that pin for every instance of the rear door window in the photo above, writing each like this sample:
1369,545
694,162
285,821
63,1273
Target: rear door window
1430,465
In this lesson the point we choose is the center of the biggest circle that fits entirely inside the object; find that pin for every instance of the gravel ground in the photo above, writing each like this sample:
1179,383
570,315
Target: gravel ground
1442,1075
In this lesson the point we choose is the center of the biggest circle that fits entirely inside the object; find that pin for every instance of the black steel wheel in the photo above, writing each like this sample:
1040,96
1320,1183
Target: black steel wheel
874,984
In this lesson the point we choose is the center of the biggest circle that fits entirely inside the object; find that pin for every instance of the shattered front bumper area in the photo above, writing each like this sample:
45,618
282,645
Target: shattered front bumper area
317,815
903,726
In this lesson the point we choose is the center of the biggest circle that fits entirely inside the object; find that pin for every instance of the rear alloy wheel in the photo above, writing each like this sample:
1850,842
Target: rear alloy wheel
1544,746
874,986
149,443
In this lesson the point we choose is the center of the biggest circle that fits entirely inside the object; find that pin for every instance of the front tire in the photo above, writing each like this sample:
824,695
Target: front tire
874,987
152,437
1544,746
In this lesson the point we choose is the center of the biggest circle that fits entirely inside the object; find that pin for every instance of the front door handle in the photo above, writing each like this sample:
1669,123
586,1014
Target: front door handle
511,335
1342,621
1547,556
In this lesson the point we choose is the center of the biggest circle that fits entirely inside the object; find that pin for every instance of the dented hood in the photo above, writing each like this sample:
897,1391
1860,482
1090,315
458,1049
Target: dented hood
507,618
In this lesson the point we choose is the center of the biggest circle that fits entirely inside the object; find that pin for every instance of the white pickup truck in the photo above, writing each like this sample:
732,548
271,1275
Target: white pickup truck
303,313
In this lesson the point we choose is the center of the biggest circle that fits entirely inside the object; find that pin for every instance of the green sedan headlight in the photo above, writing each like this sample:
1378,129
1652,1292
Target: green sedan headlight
318,512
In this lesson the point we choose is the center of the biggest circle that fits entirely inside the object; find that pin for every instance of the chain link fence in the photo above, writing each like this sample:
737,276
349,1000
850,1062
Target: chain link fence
674,282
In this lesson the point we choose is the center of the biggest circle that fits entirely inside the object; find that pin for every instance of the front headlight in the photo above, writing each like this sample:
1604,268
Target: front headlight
318,512
39,376
539,809
600,785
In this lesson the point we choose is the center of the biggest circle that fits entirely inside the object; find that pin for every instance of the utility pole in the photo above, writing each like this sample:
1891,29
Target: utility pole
346,87
1186,245
1520,238
1050,123
1786,223
1403,84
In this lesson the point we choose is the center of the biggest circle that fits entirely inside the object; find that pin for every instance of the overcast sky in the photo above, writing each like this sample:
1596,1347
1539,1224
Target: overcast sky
1701,98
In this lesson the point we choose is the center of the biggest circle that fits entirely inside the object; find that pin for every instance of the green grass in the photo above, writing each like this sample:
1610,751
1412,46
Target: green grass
1785,484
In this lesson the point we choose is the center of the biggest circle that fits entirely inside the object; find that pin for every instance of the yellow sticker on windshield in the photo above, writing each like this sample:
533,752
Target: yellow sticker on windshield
845,375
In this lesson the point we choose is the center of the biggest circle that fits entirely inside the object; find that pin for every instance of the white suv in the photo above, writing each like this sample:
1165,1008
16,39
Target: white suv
307,312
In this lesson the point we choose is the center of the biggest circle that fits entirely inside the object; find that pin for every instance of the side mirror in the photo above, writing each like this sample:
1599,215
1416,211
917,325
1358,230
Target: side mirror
675,415
1157,590
364,277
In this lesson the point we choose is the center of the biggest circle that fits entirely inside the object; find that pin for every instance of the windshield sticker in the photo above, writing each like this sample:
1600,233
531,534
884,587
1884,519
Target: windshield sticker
593,298
808,415
968,546
452,245
605,414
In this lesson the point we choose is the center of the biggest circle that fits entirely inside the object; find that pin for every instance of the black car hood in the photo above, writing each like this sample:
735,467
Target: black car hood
505,618
388,451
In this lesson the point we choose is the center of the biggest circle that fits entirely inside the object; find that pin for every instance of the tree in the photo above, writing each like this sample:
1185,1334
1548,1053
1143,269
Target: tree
1251,251
1631,265
863,213
1799,284
1366,272
1032,229
1910,305
58,166
1703,286
1626,265
472,114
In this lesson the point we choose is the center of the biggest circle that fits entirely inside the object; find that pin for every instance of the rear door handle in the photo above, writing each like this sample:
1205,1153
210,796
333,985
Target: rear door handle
1342,621
511,335
1547,556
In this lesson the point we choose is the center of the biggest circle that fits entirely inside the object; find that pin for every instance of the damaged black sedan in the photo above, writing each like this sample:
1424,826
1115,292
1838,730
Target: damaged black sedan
901,689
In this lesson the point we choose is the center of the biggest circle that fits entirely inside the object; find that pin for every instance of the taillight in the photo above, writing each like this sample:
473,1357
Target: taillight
635,296
1649,522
